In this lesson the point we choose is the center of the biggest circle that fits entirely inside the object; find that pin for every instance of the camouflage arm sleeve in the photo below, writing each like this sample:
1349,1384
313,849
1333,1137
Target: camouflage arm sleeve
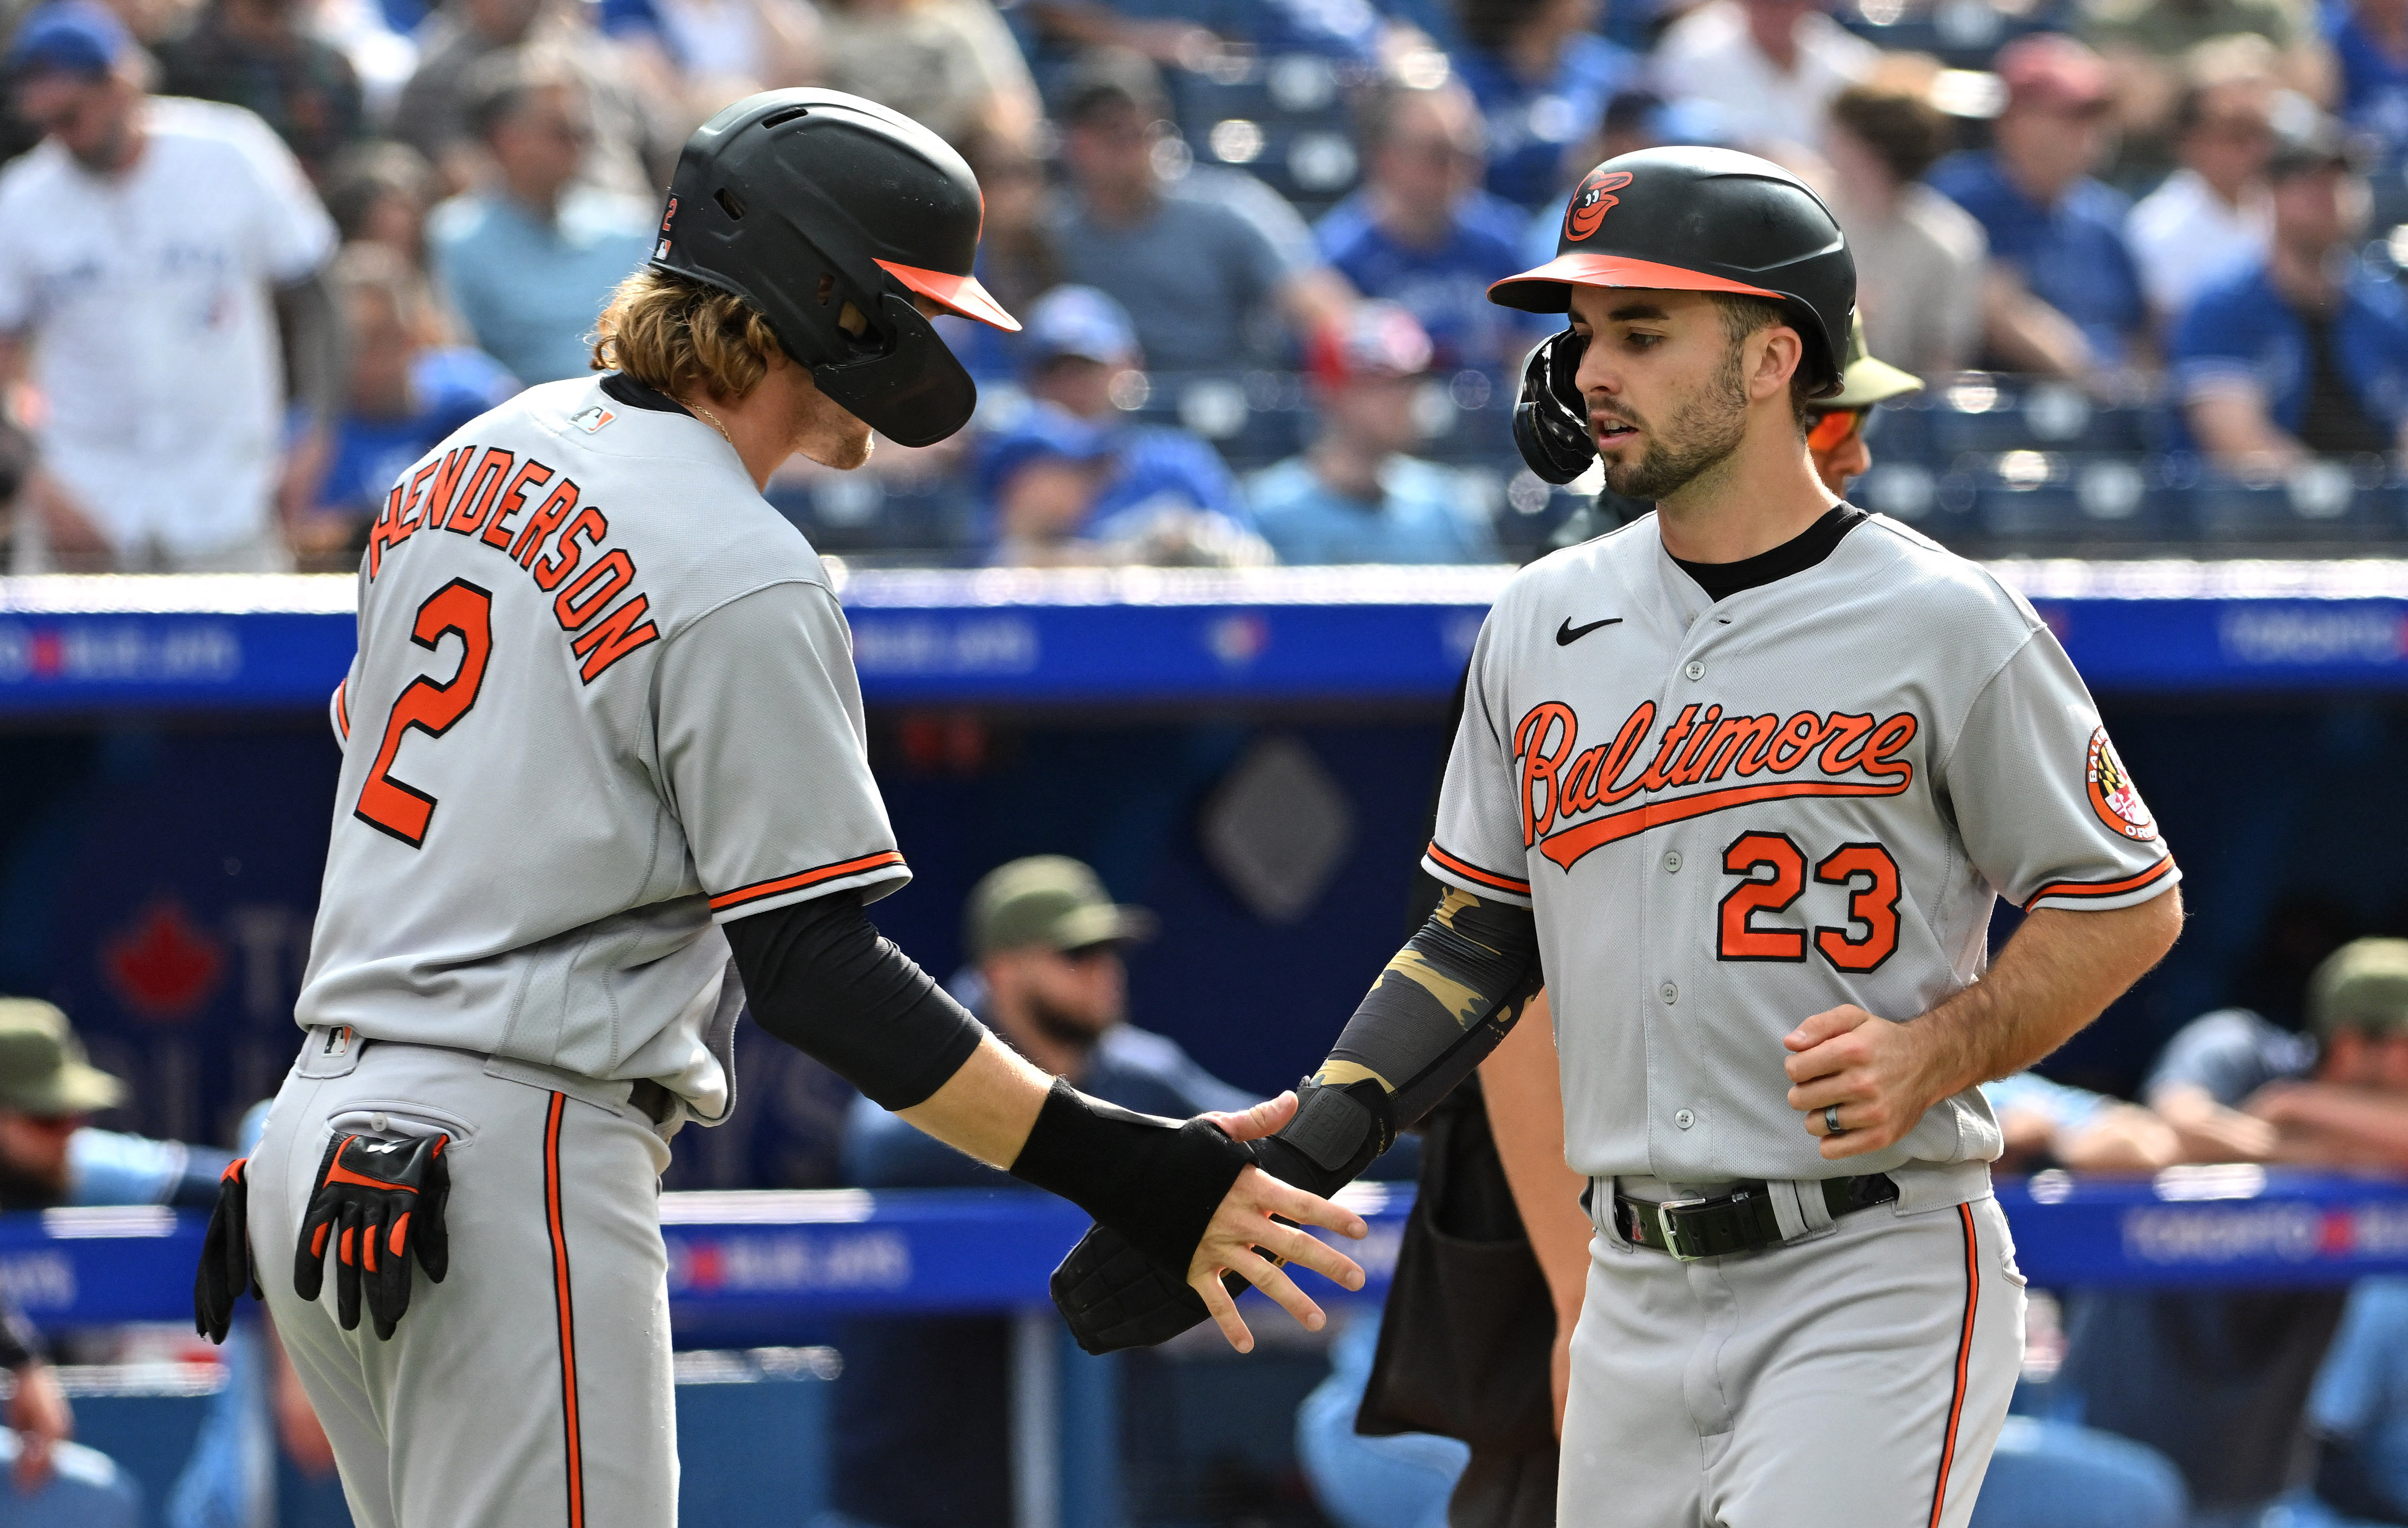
1437,1011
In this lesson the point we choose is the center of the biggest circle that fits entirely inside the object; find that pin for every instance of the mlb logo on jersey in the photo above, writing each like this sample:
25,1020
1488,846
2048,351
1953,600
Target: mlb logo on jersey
592,419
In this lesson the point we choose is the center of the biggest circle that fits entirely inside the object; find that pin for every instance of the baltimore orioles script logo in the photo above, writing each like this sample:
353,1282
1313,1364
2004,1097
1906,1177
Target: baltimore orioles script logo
1594,199
2113,795
1850,755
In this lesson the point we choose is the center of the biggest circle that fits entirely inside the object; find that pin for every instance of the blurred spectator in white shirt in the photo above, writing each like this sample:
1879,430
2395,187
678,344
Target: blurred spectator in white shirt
1920,258
2211,215
1772,65
950,65
528,259
147,249
630,152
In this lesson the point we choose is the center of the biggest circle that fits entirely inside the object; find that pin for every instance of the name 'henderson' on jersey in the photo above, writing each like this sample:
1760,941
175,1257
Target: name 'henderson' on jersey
558,767
1730,814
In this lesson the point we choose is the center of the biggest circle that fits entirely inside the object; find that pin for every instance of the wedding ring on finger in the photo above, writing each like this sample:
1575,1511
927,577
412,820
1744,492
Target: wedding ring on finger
1831,1125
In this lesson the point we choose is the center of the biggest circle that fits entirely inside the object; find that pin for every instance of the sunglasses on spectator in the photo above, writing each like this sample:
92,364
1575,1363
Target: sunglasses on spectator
1830,429
1087,953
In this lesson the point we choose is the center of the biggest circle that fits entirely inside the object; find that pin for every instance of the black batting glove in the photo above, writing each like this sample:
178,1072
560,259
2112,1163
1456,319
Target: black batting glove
379,1203
1112,1296
225,1270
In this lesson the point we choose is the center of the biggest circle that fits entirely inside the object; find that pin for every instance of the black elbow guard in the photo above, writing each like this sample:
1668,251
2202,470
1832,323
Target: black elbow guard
1156,1181
1335,1134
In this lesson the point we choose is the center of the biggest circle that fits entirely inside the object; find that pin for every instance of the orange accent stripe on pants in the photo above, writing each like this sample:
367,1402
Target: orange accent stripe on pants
568,1314
1964,1357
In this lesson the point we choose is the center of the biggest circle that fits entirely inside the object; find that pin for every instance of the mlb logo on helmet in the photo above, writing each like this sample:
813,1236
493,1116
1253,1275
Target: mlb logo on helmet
1592,201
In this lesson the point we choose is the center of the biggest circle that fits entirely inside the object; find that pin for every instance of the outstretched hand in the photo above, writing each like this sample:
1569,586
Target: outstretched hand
1244,1239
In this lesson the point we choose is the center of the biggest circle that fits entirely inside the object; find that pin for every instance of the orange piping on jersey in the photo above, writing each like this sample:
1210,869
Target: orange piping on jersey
343,707
2103,888
562,1303
759,889
1964,1361
1472,872
1568,844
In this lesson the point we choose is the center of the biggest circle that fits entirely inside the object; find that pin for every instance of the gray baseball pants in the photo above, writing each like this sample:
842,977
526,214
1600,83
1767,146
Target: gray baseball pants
532,1386
1854,1378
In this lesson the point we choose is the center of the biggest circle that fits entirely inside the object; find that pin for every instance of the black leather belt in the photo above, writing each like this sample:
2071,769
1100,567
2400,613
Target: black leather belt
1739,1221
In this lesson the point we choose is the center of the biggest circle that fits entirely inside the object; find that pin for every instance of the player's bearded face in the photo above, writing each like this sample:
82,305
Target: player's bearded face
829,434
1667,398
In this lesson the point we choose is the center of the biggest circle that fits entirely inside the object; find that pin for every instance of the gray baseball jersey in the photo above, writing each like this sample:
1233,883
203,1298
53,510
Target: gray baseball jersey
604,697
1728,816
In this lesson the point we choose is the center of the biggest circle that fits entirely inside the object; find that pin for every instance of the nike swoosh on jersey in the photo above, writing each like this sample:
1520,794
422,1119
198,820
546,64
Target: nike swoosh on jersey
1567,633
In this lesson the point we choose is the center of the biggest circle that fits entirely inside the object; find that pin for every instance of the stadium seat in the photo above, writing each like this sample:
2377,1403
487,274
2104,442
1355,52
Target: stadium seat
1985,411
1283,119
929,518
2069,496
2328,501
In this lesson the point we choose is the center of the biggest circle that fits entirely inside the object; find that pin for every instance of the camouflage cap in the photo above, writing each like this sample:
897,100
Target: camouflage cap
1867,379
42,1066
2362,985
1050,900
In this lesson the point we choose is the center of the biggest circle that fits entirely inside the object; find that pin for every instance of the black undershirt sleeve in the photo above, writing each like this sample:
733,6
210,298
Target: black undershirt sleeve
820,976
1440,1006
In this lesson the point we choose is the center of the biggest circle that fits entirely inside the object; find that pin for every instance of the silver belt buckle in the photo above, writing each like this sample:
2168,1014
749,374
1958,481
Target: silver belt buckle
1666,1229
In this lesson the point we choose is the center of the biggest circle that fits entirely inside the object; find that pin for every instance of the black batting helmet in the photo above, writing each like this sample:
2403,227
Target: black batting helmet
828,213
1689,220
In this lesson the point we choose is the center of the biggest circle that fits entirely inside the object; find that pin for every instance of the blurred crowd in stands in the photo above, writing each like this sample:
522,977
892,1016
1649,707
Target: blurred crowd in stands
257,254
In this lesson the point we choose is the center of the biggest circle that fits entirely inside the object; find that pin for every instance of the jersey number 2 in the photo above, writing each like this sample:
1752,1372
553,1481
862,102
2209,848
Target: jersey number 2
1773,874
462,609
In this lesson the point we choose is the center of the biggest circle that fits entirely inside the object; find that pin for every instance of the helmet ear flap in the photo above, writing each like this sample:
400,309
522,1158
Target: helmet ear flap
1550,418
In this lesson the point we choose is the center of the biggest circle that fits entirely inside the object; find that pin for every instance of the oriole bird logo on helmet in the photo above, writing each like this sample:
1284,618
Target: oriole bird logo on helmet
1592,200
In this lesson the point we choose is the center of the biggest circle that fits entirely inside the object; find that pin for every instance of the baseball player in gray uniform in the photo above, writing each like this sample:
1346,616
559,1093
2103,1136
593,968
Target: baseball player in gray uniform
603,782
1745,778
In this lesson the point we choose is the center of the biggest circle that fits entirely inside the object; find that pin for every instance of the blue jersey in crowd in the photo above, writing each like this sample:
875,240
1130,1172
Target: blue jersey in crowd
1444,286
1531,126
2244,328
2374,83
2072,255
1148,466
1427,513
920,1427
451,388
